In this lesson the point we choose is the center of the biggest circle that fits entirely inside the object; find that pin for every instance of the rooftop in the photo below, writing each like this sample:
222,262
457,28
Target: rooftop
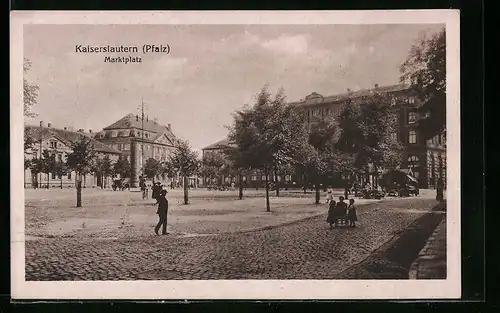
67,136
221,144
131,121
316,98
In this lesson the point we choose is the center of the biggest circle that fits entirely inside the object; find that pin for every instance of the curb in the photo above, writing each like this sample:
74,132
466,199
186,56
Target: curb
414,269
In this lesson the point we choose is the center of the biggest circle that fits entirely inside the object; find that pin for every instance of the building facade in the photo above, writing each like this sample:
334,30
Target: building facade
59,142
139,139
424,159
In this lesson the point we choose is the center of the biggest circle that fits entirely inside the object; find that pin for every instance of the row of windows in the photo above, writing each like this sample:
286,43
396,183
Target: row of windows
256,178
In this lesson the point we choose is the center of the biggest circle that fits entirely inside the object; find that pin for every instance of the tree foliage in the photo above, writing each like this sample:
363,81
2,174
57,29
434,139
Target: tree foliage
152,168
368,133
30,91
267,133
212,164
425,70
122,167
185,161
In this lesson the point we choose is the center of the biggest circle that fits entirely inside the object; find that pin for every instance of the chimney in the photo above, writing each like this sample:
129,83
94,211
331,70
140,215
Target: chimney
137,117
49,124
90,131
65,128
376,85
41,123
169,126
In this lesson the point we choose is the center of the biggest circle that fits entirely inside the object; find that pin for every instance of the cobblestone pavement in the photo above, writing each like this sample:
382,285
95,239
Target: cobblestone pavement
305,250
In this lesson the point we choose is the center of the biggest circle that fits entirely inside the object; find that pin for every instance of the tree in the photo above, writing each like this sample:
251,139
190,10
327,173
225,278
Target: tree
368,134
185,161
235,163
60,169
319,156
152,168
35,166
48,164
106,168
30,91
79,160
211,165
122,167
425,71
267,133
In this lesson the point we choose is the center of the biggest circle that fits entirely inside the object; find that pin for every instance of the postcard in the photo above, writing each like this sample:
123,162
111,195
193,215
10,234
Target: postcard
235,155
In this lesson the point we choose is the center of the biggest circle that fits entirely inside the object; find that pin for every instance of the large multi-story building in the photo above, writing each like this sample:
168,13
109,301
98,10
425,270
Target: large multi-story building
139,140
425,159
59,142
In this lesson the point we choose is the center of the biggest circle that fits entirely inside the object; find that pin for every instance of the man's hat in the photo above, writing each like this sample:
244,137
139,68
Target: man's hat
163,192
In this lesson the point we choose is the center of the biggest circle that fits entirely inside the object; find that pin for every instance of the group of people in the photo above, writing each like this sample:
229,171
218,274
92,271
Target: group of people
340,210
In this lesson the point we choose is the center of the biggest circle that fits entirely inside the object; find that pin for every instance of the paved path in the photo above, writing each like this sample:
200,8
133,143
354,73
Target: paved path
304,250
431,261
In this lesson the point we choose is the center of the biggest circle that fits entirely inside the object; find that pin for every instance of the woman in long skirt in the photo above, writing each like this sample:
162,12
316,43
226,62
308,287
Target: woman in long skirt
332,215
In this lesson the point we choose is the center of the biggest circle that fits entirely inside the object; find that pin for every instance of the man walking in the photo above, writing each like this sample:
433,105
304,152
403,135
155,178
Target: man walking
162,212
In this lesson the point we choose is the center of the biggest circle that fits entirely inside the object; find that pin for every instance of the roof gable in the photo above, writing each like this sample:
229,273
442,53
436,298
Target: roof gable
67,137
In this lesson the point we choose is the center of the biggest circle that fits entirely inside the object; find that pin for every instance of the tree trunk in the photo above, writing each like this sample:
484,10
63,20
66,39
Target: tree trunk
317,191
276,182
61,182
48,181
268,206
79,192
304,181
240,187
186,198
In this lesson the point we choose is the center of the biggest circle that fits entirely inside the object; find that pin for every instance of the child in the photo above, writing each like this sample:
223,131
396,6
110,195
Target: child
332,216
351,213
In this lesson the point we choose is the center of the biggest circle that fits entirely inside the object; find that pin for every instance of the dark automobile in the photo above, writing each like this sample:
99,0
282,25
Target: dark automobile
373,194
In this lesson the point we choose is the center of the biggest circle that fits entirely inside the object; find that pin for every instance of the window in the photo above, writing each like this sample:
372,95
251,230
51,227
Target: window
254,178
53,175
126,146
69,175
59,157
394,136
413,158
244,178
263,177
393,100
411,99
53,144
412,137
287,178
412,117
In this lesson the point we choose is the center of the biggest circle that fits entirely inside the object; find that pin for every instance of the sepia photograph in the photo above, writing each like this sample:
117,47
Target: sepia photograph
311,155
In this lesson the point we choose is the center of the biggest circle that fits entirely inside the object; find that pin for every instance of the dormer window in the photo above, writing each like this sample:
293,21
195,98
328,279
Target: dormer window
53,144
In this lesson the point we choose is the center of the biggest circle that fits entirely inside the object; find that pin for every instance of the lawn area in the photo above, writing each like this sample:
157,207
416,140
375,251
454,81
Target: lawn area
108,214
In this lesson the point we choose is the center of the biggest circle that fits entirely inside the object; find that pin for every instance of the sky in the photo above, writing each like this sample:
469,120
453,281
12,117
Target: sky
210,72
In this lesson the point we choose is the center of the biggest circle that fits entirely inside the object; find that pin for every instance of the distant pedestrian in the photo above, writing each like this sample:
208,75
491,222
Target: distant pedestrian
332,216
440,190
329,194
351,213
346,192
162,213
